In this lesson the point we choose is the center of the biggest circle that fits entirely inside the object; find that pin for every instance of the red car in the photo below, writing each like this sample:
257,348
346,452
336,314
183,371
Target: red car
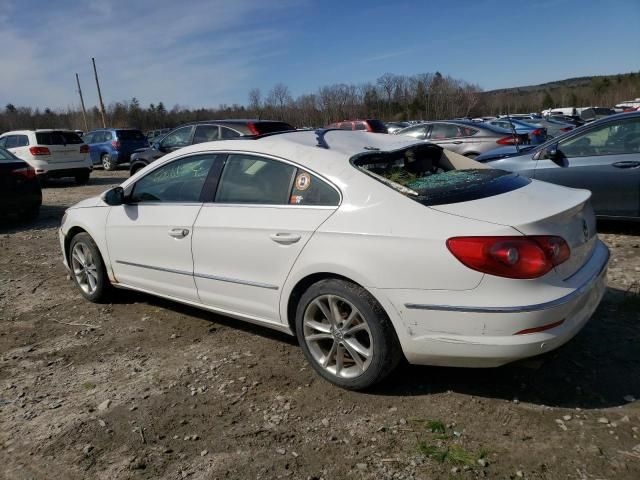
368,125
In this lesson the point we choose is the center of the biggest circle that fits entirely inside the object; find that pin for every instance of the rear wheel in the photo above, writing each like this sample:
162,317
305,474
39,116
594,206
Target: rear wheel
87,268
107,163
346,335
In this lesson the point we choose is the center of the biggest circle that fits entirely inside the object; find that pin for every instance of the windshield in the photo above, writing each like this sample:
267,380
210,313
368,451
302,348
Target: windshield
57,138
130,135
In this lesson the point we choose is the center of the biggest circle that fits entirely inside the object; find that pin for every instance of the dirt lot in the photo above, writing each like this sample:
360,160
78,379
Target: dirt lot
151,389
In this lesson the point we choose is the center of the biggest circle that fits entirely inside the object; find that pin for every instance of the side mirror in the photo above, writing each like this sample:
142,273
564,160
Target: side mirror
114,197
552,152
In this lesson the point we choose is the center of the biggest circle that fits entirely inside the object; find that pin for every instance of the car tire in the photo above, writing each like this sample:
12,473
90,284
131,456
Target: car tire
87,268
346,335
136,169
82,178
107,163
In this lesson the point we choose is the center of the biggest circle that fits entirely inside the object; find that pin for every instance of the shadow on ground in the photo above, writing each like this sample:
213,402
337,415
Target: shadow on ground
596,369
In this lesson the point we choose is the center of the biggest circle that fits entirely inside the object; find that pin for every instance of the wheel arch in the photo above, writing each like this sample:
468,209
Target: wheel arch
305,282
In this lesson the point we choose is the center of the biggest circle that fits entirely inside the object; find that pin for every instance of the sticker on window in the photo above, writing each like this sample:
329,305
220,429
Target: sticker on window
296,199
303,181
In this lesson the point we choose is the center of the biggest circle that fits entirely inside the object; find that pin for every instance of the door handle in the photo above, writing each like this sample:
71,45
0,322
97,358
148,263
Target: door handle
457,142
285,238
178,232
626,164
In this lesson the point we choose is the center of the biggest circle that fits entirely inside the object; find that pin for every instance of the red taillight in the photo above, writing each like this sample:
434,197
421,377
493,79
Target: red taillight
511,257
84,148
27,172
115,144
566,129
548,326
507,141
537,131
252,128
39,151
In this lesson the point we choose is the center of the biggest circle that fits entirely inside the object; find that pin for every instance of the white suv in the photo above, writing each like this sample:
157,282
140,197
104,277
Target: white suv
52,153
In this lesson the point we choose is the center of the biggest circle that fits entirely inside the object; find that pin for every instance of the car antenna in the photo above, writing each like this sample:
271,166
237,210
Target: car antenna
513,130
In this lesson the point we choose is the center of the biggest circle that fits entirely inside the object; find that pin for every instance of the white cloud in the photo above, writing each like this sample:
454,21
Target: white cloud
195,53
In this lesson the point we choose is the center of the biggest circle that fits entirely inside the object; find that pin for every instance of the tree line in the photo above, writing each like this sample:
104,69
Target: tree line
391,97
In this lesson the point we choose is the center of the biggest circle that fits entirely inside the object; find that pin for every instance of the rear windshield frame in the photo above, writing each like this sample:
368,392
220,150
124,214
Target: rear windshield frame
467,185
58,137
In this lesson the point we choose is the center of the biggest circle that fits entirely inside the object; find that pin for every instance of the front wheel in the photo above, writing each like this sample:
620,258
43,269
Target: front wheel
346,335
87,268
107,163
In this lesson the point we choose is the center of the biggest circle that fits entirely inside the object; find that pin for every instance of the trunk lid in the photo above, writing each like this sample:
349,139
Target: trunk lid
540,208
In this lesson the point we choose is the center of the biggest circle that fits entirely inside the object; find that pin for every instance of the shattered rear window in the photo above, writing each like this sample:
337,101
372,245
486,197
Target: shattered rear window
419,173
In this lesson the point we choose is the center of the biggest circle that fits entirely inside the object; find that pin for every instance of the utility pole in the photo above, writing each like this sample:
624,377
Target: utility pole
84,112
104,123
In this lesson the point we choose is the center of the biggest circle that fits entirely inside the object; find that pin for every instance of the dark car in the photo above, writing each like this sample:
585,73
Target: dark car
465,137
603,156
199,132
20,194
113,146
368,125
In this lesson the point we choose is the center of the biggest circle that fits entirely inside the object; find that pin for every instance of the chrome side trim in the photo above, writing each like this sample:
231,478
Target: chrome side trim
519,309
235,280
159,269
202,275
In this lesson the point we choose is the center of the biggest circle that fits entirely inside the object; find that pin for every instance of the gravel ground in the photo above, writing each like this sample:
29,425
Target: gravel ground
146,388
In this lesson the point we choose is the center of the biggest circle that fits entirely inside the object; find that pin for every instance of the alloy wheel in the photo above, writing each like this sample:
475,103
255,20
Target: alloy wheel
338,336
84,268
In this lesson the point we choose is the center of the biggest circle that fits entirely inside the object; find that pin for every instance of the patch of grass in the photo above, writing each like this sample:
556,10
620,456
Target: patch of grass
88,385
435,426
454,454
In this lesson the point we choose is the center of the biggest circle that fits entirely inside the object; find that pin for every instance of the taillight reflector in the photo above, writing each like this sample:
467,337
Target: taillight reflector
252,128
537,131
510,257
548,326
507,141
566,129
39,151
84,148
27,172
115,144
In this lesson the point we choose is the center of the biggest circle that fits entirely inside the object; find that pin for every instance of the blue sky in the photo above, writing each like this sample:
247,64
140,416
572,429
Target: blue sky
202,53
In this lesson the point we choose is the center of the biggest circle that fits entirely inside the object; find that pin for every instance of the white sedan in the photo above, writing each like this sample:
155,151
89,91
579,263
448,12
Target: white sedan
368,247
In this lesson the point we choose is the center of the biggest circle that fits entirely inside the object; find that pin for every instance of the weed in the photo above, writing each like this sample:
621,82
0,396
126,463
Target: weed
455,454
88,386
435,426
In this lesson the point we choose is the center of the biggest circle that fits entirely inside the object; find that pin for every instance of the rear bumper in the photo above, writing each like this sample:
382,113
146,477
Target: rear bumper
467,335
62,172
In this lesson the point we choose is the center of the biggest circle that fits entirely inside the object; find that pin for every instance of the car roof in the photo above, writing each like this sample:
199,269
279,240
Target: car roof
302,147
38,130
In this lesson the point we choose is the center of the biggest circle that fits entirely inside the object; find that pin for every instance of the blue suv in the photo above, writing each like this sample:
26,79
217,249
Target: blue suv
112,146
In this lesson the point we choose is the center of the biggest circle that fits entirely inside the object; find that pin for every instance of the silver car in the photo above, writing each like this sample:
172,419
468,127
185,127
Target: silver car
464,137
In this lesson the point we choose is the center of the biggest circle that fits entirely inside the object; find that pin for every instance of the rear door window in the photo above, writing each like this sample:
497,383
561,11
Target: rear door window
360,126
419,131
255,180
308,189
227,133
206,133
441,131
